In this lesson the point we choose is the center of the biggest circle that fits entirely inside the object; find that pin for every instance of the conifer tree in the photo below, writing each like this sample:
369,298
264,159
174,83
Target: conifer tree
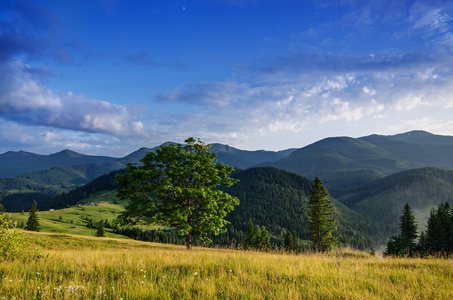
256,237
263,240
101,229
321,222
247,241
404,242
408,229
438,229
422,243
295,243
290,242
33,220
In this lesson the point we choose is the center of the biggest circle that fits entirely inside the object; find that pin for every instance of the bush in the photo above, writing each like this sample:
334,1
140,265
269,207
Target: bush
10,239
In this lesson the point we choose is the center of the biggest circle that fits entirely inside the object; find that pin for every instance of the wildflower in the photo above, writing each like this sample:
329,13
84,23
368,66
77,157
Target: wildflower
231,271
37,273
195,273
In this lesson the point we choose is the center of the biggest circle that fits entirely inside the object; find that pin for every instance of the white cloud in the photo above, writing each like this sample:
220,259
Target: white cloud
26,101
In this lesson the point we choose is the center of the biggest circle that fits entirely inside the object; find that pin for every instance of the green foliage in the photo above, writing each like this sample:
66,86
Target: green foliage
404,244
408,227
382,200
101,229
33,220
291,243
437,240
174,186
247,240
439,231
321,222
256,237
278,199
10,239
263,240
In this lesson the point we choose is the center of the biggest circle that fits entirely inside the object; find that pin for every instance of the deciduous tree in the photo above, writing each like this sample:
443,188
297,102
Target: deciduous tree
175,186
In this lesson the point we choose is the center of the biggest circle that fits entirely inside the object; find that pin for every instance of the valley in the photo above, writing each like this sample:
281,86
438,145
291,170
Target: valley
369,179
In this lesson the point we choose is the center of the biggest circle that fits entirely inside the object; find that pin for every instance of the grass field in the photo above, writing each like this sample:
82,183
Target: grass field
72,220
80,267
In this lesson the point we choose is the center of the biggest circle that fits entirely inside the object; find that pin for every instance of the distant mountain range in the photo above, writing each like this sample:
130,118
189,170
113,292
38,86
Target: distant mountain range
342,162
373,176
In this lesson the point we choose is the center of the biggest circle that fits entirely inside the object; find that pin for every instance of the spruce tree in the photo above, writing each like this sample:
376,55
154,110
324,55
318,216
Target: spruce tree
33,220
288,243
256,237
295,243
263,240
247,241
101,229
438,230
404,242
408,229
422,244
321,222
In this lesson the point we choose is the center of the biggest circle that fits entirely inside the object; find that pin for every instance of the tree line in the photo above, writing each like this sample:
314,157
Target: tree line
436,240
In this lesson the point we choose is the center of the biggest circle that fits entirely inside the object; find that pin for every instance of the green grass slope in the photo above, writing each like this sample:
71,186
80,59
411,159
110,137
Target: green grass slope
74,219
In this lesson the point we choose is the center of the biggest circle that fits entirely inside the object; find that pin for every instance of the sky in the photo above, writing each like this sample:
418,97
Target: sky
107,77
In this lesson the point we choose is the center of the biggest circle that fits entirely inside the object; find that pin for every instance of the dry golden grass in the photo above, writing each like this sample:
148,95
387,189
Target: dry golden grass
100,268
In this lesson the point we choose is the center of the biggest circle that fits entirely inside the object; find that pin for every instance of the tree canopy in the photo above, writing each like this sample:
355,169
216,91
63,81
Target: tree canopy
175,186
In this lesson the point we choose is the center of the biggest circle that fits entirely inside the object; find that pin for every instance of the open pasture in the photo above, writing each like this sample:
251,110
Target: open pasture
105,268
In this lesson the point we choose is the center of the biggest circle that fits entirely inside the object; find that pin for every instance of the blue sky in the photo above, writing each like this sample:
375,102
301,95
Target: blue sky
110,76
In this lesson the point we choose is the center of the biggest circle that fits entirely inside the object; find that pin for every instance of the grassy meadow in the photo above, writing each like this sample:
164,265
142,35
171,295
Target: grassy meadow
72,220
78,267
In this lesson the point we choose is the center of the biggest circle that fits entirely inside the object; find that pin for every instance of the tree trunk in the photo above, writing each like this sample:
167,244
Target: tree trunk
189,241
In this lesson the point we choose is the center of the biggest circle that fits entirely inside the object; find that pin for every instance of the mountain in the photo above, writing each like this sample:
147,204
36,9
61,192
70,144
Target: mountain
340,154
278,200
426,150
383,200
342,160
67,169
423,137
273,198
244,159
18,163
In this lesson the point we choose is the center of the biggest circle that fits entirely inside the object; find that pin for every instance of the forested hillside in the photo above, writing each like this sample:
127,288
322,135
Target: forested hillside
383,200
278,200
372,177
268,196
